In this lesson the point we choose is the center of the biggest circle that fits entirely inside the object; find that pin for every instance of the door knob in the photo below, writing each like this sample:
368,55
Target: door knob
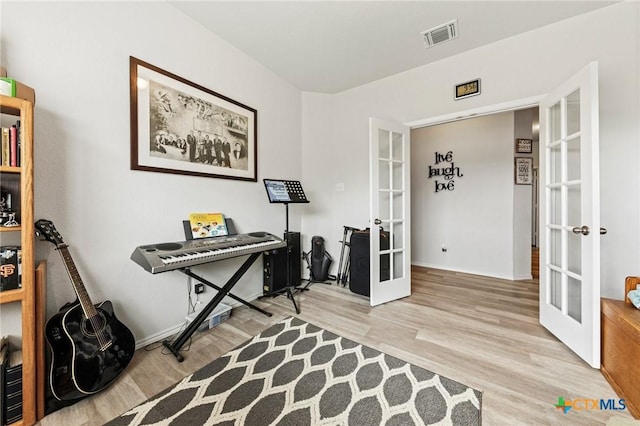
377,221
603,231
584,230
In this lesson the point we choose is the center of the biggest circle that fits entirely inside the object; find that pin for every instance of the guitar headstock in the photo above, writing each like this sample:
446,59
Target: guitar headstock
47,230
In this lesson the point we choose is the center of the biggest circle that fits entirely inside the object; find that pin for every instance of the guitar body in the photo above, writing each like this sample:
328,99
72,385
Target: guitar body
89,346
86,355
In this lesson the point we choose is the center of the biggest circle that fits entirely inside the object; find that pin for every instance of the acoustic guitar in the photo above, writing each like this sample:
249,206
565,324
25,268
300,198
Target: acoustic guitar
89,346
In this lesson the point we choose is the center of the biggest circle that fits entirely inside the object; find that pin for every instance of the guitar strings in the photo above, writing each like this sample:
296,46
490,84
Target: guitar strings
75,277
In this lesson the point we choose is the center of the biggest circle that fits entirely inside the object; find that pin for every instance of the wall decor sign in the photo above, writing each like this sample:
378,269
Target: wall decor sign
465,90
524,170
447,171
524,146
180,127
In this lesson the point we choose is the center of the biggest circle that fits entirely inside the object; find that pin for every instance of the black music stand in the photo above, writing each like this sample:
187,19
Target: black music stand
285,192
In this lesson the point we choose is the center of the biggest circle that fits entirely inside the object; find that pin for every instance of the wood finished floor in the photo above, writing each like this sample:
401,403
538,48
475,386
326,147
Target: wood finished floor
480,331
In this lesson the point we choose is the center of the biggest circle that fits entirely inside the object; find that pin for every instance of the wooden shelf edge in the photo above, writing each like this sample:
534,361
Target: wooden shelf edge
10,228
9,169
12,105
11,295
41,317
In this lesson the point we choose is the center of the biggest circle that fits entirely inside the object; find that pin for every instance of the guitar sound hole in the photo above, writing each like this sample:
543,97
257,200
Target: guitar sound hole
90,328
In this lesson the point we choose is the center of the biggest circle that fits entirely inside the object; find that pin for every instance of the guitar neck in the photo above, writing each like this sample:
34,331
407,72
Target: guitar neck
76,281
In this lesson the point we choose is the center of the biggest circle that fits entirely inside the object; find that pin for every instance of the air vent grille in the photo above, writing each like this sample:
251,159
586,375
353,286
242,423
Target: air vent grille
440,34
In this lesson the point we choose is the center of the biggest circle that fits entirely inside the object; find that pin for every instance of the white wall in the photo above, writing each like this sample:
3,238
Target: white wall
474,220
522,198
76,56
520,67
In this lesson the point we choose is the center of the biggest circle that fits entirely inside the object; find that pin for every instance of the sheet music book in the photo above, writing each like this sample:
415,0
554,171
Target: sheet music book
285,191
204,225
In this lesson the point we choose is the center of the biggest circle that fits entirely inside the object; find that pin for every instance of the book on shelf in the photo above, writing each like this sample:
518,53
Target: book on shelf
4,362
10,145
19,143
6,153
10,267
13,146
204,225
13,387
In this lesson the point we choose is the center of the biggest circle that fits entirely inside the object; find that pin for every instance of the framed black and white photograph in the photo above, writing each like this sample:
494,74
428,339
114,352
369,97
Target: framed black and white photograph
524,170
180,127
524,146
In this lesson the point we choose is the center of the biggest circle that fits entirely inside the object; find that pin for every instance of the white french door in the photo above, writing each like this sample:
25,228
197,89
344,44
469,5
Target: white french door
570,214
389,213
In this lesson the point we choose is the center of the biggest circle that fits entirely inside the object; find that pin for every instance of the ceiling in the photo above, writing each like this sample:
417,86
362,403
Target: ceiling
331,46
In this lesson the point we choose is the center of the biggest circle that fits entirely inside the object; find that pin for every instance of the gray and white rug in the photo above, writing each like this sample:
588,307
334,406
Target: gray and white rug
295,373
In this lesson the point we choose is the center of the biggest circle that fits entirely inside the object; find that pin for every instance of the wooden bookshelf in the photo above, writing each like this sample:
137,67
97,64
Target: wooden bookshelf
25,296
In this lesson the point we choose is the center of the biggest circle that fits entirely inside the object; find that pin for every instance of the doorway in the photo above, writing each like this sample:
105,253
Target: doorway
469,213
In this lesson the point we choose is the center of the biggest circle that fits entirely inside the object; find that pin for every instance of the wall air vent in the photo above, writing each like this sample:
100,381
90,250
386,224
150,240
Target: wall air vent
440,34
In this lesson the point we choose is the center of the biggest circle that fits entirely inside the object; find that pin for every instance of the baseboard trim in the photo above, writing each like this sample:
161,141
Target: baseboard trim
169,332
472,272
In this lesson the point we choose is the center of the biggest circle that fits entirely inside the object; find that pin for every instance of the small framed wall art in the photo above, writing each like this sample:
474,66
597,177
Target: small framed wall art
523,170
524,146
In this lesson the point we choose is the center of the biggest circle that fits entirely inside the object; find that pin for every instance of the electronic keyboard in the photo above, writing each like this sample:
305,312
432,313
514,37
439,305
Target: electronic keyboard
162,257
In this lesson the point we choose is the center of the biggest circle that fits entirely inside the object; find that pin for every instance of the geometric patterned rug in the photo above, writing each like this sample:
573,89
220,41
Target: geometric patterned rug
295,373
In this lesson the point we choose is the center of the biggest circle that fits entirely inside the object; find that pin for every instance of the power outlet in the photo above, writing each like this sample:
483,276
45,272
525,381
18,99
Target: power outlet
198,288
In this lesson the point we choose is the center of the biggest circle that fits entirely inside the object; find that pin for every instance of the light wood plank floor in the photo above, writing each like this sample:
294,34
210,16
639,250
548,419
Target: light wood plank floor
480,331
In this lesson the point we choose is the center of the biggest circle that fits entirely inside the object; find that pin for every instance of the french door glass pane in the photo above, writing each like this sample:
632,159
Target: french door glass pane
384,177
573,112
555,289
574,255
385,275
574,299
397,237
555,210
555,248
384,148
384,208
554,122
573,158
574,200
398,205
555,164
398,262
398,173
397,152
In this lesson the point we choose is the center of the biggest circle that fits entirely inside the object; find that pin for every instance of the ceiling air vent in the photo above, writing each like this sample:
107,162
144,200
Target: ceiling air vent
440,34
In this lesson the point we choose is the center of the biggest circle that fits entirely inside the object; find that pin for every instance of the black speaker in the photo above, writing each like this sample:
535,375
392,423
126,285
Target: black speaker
274,272
359,265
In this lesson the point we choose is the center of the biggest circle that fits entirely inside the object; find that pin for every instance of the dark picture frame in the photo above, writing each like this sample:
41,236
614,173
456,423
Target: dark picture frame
524,146
523,170
180,127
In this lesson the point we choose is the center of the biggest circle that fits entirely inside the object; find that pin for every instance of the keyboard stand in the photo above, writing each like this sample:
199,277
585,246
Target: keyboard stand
175,346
